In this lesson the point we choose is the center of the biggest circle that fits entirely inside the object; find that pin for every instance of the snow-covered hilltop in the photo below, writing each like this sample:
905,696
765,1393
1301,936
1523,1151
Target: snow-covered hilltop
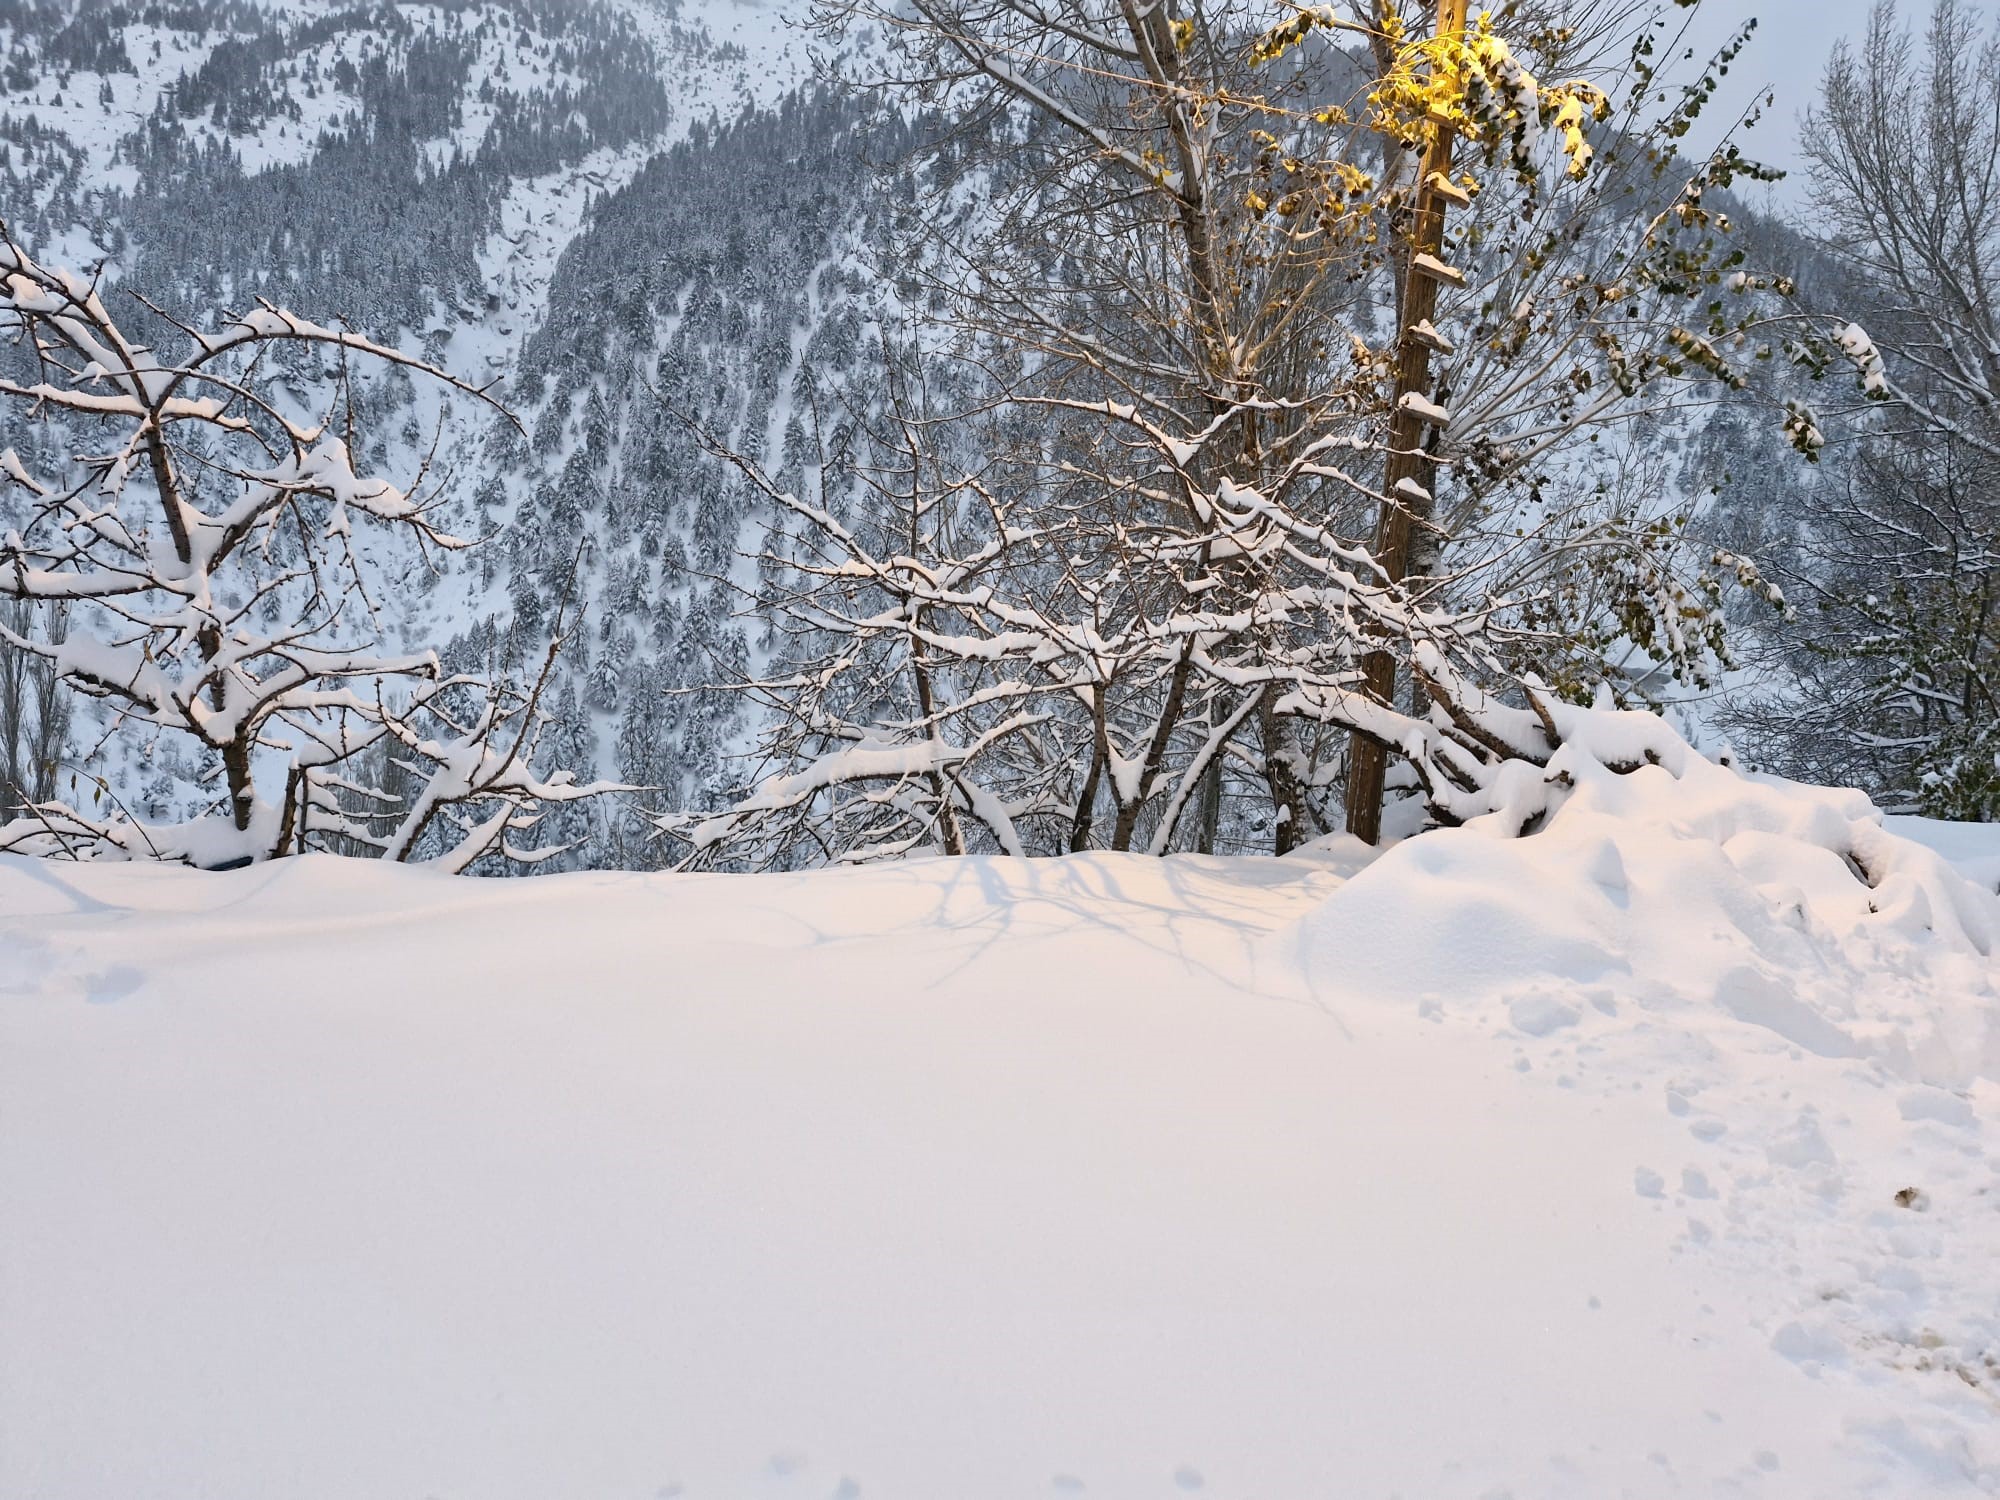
1108,1176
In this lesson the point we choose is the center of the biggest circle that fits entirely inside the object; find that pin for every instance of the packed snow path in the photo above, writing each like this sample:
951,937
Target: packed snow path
1097,1177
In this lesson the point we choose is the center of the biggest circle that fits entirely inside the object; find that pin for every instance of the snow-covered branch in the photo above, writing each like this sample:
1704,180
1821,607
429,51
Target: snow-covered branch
207,546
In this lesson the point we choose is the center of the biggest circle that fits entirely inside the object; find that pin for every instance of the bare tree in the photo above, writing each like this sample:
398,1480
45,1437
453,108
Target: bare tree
1179,285
208,549
1904,156
971,675
1899,553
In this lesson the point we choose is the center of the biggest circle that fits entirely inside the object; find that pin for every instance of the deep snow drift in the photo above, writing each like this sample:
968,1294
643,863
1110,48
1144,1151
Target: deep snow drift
1652,1154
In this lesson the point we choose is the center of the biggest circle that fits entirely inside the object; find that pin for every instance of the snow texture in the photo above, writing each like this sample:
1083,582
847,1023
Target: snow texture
1651,1154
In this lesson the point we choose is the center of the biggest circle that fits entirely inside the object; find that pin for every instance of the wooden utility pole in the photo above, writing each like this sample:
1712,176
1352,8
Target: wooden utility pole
1407,481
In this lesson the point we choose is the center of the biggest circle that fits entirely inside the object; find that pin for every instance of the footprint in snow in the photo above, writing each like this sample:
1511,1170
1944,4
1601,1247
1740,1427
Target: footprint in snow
29,962
1538,1015
1188,1477
1808,1348
1937,1105
115,983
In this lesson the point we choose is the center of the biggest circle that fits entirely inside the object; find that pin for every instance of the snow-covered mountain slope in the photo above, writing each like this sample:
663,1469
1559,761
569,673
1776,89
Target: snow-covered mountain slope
1106,1176
422,171
110,121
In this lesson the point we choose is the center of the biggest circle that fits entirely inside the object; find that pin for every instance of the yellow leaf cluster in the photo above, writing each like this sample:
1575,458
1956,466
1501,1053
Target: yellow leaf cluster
1470,84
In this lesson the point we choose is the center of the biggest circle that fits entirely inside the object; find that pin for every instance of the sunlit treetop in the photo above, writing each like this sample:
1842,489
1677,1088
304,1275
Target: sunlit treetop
1468,82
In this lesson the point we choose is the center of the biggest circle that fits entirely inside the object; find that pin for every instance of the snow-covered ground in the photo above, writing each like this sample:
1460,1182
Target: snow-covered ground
1650,1155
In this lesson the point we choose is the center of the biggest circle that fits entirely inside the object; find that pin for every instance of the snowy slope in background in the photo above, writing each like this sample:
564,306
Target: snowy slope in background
484,283
1105,1176
720,57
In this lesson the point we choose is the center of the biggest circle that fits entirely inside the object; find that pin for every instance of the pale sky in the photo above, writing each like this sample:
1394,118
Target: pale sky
1787,54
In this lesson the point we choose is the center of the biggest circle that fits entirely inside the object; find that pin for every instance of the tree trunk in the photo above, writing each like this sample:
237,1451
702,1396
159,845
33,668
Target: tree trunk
1408,474
1210,808
1282,776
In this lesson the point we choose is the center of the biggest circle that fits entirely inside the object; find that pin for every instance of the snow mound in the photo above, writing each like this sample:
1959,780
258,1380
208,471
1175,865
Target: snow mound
1676,881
